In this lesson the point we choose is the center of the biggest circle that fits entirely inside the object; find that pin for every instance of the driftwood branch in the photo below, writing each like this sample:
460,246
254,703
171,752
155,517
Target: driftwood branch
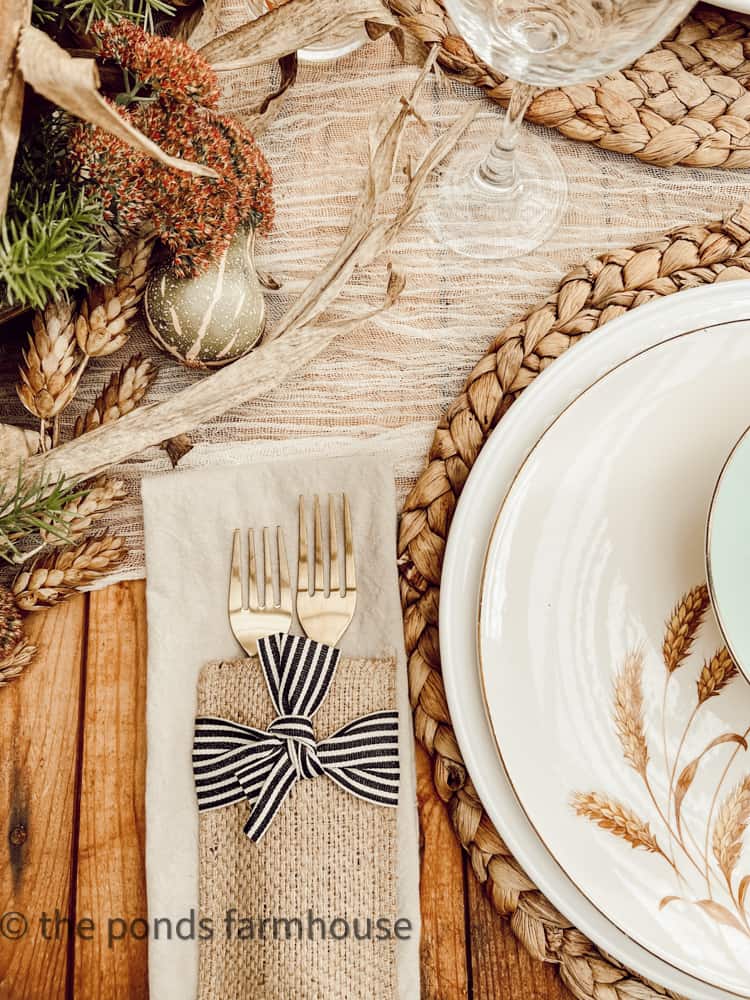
296,341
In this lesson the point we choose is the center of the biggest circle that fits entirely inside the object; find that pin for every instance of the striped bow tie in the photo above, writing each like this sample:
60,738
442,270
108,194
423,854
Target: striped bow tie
232,762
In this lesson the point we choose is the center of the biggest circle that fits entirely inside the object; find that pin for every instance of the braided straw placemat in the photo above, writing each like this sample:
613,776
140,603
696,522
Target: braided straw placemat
687,101
586,298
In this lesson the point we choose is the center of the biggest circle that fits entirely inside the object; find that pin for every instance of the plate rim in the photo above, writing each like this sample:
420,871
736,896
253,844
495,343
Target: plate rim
702,328
743,668
457,653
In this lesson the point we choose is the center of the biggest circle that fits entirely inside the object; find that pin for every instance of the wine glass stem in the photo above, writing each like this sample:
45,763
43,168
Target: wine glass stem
499,169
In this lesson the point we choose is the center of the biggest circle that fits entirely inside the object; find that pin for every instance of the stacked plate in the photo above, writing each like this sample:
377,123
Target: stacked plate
602,719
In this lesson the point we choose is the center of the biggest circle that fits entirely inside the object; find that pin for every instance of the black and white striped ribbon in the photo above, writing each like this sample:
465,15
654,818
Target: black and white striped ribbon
232,762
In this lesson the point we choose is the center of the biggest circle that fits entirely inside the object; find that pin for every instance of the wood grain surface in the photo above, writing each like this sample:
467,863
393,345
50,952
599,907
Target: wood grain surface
72,779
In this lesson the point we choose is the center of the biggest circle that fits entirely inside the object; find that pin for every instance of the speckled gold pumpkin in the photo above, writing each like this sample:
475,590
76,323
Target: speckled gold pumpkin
211,320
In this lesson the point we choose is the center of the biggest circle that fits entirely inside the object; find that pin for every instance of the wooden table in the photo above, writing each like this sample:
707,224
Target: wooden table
72,776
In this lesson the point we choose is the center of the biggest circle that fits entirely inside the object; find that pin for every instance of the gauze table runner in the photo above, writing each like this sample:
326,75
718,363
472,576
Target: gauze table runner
189,517
390,381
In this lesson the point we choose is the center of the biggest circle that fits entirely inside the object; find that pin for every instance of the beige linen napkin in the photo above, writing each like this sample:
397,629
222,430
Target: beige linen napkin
188,517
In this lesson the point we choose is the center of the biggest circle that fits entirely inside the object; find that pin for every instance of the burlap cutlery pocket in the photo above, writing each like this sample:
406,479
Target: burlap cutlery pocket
309,912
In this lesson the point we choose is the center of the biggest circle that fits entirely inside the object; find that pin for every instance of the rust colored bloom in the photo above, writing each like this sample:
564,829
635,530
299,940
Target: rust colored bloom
169,67
195,217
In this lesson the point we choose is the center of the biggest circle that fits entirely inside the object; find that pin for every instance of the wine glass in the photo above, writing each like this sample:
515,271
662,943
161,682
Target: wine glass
511,201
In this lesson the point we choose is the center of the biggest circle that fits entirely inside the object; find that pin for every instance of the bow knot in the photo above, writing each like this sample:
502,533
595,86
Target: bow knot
232,762
298,735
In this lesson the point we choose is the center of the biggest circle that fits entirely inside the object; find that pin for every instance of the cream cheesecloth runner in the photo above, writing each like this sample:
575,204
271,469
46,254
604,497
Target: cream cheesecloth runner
391,380
188,519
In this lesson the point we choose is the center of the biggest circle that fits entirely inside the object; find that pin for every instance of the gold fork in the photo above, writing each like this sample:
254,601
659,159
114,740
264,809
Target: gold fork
325,616
254,620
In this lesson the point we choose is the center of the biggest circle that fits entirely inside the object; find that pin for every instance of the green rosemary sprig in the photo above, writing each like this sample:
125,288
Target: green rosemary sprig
85,12
50,243
31,506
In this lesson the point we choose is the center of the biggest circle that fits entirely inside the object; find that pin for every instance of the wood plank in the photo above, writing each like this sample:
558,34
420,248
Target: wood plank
443,947
39,758
111,881
501,967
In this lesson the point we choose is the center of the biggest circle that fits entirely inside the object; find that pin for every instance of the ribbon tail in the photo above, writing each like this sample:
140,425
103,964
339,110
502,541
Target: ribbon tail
275,789
378,787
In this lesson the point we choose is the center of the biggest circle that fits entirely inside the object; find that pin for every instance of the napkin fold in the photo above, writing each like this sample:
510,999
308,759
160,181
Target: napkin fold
188,519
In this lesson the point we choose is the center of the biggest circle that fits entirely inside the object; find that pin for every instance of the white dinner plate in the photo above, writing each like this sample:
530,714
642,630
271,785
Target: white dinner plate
483,493
619,714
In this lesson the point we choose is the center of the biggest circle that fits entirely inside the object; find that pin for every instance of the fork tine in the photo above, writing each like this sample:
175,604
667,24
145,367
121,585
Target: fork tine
351,578
235,576
302,580
319,585
333,547
285,591
252,575
269,598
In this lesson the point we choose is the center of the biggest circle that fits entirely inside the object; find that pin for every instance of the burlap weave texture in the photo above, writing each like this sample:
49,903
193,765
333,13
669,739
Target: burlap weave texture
325,869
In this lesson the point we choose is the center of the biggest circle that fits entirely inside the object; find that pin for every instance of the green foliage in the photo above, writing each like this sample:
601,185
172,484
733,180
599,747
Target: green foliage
50,243
55,13
51,237
27,508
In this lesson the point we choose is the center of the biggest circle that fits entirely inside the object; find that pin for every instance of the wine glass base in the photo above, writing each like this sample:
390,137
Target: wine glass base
475,219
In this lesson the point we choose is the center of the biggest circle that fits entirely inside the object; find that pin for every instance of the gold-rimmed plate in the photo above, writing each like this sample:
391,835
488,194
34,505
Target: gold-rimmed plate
619,717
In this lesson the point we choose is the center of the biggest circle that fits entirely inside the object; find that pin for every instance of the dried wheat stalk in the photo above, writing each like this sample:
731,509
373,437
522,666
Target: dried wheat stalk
14,664
80,514
122,393
373,227
48,369
729,829
716,674
56,576
683,625
16,15
616,819
628,713
288,28
105,314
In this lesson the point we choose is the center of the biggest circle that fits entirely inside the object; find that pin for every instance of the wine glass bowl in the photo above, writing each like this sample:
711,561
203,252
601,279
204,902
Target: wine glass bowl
508,204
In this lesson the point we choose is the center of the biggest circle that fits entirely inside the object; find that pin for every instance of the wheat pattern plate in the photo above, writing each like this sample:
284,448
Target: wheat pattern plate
618,714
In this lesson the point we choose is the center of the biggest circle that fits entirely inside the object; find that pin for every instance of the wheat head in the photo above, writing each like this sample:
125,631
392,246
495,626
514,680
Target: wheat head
730,826
682,626
617,819
716,674
628,713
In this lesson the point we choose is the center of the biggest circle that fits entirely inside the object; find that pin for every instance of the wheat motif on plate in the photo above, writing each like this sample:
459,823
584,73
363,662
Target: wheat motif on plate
714,852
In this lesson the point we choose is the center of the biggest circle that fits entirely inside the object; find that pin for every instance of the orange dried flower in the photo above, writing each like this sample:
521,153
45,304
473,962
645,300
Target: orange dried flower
195,217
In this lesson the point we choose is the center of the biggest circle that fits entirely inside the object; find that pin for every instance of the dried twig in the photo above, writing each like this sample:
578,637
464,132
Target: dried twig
372,230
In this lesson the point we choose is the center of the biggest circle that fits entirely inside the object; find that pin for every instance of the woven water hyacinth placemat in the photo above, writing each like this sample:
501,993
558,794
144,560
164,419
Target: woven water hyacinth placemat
587,297
687,101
